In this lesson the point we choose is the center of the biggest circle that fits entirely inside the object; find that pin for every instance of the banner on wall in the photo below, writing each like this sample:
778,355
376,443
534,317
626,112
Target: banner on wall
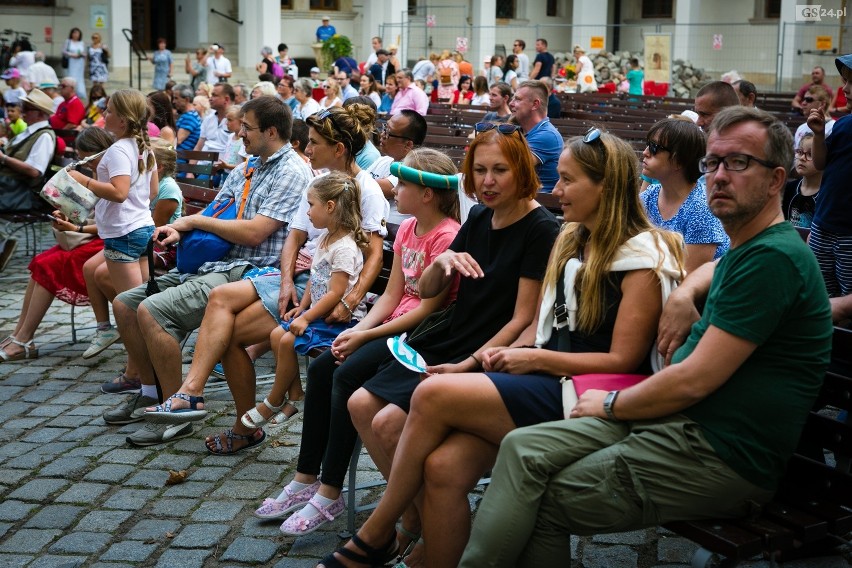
658,64
98,17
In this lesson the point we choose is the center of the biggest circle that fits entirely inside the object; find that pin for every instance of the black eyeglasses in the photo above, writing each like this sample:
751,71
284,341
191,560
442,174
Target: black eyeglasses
591,135
385,132
502,127
808,99
733,163
655,147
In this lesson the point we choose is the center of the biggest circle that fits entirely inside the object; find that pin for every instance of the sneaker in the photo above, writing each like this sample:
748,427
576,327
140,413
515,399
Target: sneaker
219,371
275,508
131,411
122,384
101,341
297,525
152,434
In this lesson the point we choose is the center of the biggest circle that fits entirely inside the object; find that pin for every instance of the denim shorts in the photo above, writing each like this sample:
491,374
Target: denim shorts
130,247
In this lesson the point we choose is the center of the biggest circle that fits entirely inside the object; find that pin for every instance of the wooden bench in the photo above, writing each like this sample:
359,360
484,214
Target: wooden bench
812,511
198,169
195,197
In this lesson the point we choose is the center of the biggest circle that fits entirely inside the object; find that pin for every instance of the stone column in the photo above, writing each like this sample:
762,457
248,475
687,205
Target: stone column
481,45
261,27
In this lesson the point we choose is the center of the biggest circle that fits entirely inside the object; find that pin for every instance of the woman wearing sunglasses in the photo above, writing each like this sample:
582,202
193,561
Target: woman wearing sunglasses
677,201
458,414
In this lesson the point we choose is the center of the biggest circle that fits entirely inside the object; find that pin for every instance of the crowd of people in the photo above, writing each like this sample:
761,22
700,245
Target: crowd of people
679,266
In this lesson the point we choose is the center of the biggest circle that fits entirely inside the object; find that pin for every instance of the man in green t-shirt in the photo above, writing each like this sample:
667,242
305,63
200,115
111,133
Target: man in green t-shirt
709,435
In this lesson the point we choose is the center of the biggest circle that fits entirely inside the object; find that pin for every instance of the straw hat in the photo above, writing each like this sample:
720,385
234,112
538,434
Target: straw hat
39,100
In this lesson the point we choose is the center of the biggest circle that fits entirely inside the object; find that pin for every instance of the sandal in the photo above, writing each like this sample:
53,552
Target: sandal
282,416
165,414
230,436
371,557
254,419
30,350
413,539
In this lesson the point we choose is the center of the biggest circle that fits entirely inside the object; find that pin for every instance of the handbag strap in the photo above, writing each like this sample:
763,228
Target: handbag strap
73,165
152,287
249,171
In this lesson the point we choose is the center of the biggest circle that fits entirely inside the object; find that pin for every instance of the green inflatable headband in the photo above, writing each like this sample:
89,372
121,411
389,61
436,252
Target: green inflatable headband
426,179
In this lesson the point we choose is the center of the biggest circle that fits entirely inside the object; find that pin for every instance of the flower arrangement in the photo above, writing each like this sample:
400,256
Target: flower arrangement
335,47
569,71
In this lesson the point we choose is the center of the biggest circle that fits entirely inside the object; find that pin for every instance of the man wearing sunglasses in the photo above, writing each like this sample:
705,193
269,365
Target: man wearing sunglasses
529,107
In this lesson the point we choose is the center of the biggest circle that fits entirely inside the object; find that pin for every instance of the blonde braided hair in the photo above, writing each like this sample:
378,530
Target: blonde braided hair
132,106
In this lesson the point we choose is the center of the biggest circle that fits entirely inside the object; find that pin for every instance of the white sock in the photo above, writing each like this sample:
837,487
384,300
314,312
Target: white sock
294,486
309,511
149,390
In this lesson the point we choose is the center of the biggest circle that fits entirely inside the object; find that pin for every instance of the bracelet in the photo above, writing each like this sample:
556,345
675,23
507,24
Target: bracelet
478,362
81,228
345,305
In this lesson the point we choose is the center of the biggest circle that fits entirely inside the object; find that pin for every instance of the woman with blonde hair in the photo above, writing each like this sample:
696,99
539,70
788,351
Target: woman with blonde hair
608,276
332,94
448,75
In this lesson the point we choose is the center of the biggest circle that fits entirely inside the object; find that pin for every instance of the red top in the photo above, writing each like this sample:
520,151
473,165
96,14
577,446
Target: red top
68,116
456,96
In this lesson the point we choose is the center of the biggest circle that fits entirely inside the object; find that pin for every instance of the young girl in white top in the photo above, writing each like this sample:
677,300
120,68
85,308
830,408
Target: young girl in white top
126,182
335,209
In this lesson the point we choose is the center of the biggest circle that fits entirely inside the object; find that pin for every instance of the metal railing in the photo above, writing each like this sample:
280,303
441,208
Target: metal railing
135,49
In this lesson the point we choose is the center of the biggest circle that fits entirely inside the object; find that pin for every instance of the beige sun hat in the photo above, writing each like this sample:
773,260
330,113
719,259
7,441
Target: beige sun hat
39,100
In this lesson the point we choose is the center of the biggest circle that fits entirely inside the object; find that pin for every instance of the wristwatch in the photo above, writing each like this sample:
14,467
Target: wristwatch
608,402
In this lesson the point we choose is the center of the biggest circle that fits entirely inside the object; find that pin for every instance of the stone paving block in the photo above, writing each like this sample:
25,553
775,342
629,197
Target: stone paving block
69,373
166,462
44,435
131,550
4,528
250,550
65,421
81,433
49,410
262,528
11,510
102,521
37,396
13,408
55,561
288,562
29,540
316,544
12,476
201,535
675,549
83,493
632,537
110,472
148,478
183,558
131,456
14,560
259,471
38,489
243,489
8,392
25,379
87,451
211,511
281,454
89,410
81,543
54,517
210,473
189,489
173,507
112,439
129,499
597,556
52,385
62,467
14,449
149,529
53,449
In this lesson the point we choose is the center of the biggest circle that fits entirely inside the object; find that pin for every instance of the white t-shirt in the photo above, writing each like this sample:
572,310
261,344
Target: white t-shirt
380,169
343,255
117,219
374,212
221,65
13,96
215,133
371,59
423,69
523,67
310,106
805,129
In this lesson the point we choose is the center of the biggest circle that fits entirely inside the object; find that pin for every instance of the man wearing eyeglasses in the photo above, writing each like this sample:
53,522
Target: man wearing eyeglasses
409,95
71,112
711,433
529,107
523,69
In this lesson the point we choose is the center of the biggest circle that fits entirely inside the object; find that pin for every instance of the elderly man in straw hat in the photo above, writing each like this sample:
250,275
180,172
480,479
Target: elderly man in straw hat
23,162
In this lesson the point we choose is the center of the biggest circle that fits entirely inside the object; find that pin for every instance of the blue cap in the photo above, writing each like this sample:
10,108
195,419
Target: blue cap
843,61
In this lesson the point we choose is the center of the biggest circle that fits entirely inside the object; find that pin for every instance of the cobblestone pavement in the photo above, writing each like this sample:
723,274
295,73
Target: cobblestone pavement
74,493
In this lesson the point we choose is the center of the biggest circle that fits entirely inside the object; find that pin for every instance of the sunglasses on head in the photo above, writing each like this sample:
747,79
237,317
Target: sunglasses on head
591,135
655,147
502,127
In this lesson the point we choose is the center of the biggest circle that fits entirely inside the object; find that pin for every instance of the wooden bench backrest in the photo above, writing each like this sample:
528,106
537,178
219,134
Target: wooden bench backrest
184,167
